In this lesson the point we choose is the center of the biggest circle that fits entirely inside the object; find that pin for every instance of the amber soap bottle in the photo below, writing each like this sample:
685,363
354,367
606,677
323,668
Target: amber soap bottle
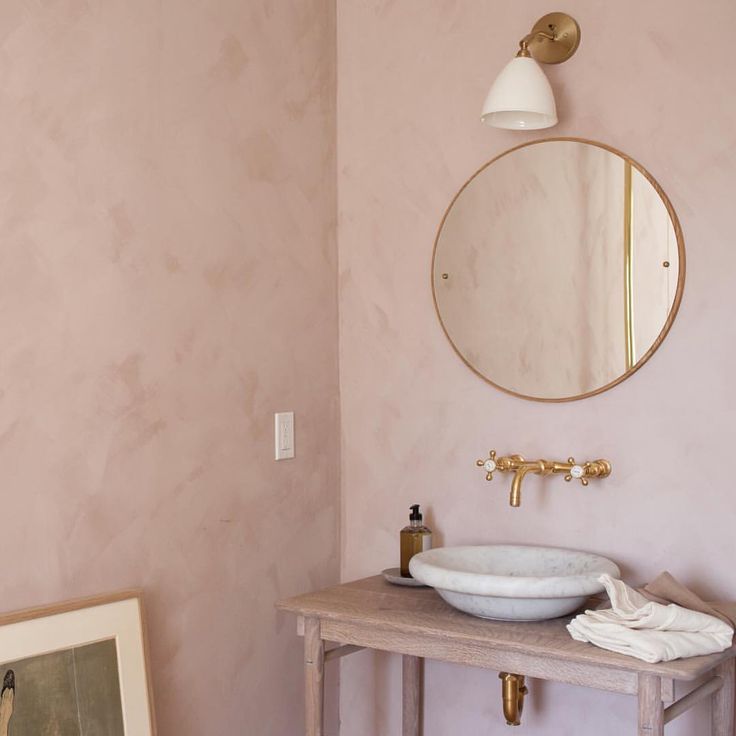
415,538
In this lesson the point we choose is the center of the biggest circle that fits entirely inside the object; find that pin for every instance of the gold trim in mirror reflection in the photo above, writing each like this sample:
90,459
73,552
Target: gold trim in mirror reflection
629,268
680,277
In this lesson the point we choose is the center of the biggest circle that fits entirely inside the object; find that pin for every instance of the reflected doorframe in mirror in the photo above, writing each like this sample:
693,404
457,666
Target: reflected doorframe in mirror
628,316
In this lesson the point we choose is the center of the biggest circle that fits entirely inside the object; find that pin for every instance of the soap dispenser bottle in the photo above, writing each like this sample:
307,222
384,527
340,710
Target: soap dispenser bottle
415,538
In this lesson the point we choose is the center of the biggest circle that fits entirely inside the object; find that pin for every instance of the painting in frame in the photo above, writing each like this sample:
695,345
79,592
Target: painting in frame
78,668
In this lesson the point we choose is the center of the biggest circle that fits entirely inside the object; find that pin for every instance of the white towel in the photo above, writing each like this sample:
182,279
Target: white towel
647,630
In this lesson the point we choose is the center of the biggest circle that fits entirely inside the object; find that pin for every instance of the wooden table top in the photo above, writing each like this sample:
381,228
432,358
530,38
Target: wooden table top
375,603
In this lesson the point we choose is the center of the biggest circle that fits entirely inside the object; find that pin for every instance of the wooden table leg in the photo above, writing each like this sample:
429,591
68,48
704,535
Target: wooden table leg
722,718
314,674
651,707
412,687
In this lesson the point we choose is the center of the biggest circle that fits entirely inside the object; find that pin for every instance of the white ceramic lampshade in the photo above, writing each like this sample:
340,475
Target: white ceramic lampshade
521,98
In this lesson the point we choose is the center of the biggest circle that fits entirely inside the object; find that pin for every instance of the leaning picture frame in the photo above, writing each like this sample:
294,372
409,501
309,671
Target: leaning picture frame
77,667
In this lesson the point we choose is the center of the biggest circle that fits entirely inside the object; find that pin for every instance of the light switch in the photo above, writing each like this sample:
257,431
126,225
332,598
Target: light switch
284,435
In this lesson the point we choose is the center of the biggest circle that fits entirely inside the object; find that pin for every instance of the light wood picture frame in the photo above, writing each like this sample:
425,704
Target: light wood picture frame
78,667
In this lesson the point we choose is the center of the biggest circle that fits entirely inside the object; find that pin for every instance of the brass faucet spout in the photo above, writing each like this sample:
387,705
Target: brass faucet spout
521,473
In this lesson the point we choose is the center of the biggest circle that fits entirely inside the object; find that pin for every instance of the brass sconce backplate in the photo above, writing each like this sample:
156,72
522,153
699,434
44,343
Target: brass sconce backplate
565,33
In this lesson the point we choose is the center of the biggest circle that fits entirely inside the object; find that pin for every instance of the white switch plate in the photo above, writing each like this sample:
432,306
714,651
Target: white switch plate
284,435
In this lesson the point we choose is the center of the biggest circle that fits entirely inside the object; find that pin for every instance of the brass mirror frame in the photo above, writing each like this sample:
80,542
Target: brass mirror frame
680,276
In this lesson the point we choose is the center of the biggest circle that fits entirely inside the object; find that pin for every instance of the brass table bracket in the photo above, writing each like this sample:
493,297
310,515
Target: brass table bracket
513,691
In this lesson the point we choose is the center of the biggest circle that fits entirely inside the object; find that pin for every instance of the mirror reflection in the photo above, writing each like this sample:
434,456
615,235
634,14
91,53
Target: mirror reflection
558,269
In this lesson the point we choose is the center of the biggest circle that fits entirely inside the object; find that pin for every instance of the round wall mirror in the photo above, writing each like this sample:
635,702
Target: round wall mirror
558,269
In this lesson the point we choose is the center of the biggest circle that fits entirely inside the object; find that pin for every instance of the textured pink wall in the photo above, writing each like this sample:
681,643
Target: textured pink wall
412,77
167,282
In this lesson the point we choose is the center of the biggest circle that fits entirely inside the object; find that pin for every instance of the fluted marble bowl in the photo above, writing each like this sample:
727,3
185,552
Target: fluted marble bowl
512,582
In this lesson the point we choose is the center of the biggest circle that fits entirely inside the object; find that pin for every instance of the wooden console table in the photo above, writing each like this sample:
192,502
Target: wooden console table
418,624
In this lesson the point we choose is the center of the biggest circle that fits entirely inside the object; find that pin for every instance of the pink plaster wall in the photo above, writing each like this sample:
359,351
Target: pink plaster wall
411,79
167,282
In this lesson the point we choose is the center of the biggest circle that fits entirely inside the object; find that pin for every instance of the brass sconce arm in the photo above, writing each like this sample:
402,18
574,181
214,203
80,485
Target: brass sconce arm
535,35
531,37
521,468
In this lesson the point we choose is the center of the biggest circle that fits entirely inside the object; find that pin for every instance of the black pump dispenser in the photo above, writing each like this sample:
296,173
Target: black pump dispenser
415,514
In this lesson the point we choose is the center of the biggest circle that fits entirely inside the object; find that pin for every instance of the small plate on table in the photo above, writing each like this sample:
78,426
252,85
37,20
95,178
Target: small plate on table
393,575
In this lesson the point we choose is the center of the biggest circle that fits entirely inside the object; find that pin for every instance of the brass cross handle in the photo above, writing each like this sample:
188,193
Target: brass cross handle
576,471
592,469
489,464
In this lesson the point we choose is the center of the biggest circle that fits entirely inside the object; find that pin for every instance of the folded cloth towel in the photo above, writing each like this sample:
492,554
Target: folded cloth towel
649,630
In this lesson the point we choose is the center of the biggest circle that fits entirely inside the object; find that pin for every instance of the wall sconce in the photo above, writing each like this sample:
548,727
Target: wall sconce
521,97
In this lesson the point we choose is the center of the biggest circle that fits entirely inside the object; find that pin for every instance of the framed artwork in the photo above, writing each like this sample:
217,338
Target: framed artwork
76,669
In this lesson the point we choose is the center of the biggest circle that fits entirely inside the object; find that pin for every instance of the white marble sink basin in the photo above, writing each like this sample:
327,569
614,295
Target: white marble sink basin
512,582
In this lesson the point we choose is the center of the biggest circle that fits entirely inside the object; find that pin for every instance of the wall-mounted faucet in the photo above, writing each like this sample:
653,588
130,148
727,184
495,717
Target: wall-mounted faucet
521,468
